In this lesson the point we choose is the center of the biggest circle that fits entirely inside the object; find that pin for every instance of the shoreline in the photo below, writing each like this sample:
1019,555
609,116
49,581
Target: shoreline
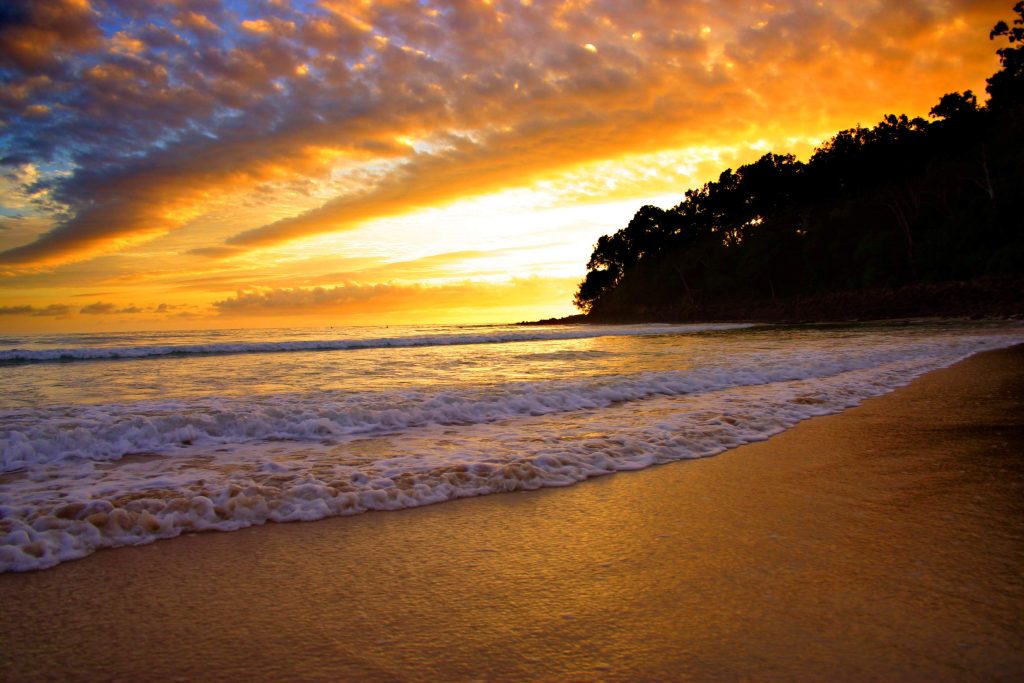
884,541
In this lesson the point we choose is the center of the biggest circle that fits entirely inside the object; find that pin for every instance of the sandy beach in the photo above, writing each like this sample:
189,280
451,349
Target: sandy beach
884,543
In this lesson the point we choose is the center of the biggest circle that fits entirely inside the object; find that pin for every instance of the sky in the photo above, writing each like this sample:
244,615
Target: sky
265,163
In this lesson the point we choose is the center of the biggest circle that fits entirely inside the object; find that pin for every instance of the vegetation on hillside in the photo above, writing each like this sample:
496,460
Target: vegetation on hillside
907,203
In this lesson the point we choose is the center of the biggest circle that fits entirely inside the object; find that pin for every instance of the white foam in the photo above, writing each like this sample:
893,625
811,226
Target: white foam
502,336
54,435
69,514
235,473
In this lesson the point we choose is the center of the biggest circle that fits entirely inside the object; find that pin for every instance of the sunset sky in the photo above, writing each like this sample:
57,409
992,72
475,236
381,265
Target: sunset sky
209,163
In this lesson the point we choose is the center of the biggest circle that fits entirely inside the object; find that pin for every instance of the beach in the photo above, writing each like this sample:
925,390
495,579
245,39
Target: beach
882,543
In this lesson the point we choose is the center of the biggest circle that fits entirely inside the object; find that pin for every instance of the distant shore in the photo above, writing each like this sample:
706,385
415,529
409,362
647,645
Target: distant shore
985,298
883,543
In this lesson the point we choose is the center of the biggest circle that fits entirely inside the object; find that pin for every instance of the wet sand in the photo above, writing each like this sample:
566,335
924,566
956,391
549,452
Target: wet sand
885,543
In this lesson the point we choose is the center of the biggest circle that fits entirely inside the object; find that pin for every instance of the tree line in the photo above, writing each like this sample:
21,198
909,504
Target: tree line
908,201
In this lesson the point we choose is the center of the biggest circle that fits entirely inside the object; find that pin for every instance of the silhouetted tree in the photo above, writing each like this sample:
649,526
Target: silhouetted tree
594,285
956,106
1006,87
905,201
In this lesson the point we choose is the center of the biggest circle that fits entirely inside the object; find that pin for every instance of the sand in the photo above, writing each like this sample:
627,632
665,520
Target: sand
885,543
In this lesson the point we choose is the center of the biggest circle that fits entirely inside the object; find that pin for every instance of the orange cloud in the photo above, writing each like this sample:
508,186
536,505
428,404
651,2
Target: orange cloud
53,310
436,106
34,35
385,299
196,22
256,25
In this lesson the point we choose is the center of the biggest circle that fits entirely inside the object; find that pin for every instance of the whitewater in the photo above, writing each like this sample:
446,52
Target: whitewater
110,440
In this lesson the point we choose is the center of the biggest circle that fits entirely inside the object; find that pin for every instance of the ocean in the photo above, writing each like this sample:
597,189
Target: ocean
122,439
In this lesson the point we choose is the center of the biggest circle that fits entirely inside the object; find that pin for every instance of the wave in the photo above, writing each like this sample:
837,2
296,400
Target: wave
34,437
15,356
69,512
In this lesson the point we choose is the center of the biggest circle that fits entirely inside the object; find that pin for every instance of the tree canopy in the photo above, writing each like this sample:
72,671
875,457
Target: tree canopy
904,202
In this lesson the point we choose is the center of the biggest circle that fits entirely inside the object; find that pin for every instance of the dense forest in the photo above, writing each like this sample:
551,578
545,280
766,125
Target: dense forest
910,217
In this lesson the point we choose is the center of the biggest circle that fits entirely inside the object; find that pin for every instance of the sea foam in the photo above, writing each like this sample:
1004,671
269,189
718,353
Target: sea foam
139,351
52,435
84,477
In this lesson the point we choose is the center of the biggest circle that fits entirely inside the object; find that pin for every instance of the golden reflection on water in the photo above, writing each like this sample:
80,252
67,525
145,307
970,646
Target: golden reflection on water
430,368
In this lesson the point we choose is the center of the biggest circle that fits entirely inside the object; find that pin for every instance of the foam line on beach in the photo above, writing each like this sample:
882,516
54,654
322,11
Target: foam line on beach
53,514
49,436
14,356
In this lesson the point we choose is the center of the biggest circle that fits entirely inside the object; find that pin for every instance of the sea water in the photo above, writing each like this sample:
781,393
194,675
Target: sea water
122,439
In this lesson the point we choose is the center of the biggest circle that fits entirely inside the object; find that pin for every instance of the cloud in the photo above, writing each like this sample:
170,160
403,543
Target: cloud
196,22
291,300
103,308
98,308
53,310
356,298
34,35
148,114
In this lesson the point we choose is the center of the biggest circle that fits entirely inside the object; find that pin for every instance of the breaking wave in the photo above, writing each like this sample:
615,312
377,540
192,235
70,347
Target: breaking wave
13,356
